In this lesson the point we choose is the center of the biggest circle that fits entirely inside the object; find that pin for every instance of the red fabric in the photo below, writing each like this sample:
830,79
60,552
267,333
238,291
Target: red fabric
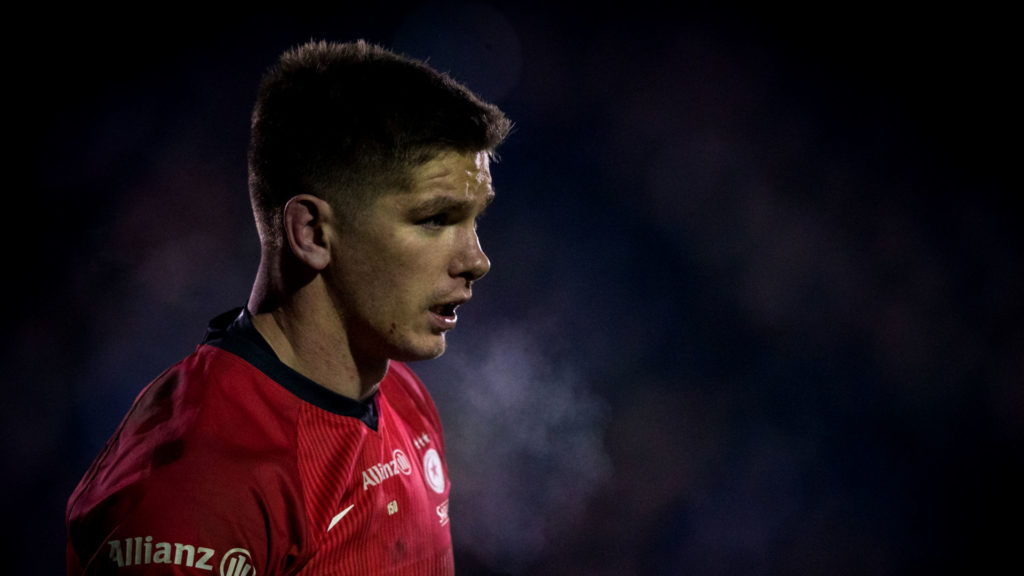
217,469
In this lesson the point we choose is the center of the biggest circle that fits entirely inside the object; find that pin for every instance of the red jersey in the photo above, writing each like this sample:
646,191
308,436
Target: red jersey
232,464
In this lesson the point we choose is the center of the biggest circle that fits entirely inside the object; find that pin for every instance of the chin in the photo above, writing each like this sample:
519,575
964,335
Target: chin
419,352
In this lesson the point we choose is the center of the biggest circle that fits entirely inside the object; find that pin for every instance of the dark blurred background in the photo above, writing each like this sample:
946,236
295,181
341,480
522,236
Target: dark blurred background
756,303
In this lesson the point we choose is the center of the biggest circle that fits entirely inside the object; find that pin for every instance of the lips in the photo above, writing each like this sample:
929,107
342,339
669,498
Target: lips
445,315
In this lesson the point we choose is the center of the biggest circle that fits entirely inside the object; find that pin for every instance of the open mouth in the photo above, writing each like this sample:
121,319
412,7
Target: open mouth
445,310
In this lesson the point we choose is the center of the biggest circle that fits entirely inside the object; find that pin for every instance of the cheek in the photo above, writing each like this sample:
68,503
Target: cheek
415,262
397,273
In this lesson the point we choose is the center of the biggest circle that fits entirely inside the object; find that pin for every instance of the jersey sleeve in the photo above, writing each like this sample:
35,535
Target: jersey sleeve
194,482
168,525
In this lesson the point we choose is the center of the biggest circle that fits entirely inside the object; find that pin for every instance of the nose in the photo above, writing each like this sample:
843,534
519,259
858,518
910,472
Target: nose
470,262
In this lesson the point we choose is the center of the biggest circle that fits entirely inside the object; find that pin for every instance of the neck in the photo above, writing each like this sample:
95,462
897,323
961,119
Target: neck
308,336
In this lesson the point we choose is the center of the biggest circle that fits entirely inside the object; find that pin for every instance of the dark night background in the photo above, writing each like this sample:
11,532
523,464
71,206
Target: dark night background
756,303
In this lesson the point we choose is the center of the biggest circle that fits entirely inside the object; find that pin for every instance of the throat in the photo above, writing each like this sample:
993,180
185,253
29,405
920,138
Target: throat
315,354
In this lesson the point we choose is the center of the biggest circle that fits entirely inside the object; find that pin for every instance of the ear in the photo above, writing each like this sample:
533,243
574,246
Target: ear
306,229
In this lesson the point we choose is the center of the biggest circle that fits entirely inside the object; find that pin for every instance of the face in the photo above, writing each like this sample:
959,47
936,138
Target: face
401,269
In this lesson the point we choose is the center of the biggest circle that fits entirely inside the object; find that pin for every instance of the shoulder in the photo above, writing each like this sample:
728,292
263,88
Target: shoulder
404,393
204,459
401,386
400,375
209,404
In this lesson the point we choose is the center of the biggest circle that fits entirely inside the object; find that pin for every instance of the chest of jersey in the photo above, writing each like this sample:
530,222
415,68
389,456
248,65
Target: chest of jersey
377,500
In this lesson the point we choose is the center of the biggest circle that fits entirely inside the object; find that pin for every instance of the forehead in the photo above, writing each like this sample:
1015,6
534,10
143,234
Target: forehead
468,174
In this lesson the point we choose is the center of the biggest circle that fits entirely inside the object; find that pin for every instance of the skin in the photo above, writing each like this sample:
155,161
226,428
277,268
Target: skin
340,298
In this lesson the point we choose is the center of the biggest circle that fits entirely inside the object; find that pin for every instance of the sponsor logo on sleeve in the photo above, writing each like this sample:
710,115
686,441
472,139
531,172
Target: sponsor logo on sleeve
237,562
140,550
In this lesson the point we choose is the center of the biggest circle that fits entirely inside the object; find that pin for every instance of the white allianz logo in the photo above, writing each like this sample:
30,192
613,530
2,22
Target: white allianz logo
399,464
144,551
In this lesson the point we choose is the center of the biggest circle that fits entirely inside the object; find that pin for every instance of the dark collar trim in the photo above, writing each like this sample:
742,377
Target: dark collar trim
234,332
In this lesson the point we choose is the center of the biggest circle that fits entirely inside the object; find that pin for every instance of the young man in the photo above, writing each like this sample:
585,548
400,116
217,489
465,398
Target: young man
294,440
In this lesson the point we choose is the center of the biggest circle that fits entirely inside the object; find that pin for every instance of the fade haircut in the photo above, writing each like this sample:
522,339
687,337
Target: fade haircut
347,121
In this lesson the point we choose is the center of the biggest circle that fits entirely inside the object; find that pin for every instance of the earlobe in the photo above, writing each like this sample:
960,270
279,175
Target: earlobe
306,231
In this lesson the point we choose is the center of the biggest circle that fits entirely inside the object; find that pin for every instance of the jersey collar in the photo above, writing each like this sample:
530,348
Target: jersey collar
234,332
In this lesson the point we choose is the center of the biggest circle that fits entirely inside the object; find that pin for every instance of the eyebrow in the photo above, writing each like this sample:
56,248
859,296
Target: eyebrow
446,203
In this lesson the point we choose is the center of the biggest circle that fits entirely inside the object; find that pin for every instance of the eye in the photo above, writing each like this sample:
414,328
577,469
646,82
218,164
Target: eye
434,221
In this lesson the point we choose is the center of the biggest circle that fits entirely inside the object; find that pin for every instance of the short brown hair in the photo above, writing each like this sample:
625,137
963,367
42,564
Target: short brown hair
342,121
